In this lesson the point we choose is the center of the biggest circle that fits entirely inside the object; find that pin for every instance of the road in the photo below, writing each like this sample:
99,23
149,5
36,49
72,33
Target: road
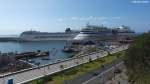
93,76
37,72
104,75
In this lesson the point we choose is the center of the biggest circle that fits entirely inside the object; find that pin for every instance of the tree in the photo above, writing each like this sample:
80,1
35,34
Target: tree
137,57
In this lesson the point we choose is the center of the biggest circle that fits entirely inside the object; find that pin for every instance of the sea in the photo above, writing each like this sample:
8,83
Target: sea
55,48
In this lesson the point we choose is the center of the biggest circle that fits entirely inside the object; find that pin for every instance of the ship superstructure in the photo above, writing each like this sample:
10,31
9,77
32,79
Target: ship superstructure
47,36
93,32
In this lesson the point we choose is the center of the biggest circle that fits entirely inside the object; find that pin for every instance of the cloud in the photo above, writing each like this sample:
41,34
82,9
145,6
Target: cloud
92,19
60,19
140,1
89,18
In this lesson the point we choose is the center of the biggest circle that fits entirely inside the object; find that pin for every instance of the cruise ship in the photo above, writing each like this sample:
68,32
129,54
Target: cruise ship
47,36
94,32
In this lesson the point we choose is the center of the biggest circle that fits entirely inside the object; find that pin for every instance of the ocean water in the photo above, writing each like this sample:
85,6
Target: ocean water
34,46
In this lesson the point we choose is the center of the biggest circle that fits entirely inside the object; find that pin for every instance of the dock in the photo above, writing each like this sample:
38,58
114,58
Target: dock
31,54
6,38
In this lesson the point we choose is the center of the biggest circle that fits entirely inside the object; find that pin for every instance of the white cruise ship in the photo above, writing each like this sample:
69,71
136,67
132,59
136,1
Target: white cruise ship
46,36
93,32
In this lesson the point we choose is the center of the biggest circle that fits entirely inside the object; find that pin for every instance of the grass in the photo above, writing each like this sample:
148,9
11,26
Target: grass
59,77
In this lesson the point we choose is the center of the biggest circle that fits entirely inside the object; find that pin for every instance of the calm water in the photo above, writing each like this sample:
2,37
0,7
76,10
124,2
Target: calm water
33,46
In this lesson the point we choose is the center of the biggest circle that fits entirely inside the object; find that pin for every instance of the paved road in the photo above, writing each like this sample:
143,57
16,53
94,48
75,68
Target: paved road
88,77
37,72
103,77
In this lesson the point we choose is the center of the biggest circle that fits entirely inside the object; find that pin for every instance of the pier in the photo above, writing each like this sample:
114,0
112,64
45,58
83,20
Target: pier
9,38
38,53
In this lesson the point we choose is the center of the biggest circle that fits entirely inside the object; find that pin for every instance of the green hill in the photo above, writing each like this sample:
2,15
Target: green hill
137,60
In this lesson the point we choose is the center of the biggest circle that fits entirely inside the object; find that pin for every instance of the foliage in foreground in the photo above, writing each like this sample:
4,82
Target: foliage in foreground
137,60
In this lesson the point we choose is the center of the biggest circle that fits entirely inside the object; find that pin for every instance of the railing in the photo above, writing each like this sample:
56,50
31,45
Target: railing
37,67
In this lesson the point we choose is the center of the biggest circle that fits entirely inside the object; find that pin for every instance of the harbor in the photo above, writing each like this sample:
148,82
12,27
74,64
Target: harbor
74,42
39,49
51,46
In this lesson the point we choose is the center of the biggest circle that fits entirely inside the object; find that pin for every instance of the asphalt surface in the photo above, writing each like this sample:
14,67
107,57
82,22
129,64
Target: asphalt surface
82,78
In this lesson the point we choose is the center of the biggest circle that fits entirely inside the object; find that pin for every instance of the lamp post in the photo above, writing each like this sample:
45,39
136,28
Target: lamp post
102,66
114,74
3,78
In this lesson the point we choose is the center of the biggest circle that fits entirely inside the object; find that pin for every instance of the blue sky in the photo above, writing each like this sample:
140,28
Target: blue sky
55,15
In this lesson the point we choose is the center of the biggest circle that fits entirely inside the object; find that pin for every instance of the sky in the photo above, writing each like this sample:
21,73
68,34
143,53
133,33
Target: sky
17,16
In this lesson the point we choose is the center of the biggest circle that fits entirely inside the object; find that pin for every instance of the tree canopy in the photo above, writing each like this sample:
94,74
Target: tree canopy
137,57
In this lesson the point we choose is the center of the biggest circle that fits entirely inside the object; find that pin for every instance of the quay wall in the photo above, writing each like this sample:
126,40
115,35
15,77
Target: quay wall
6,39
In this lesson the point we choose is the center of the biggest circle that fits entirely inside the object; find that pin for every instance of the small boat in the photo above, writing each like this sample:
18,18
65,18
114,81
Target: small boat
58,59
70,50
31,61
